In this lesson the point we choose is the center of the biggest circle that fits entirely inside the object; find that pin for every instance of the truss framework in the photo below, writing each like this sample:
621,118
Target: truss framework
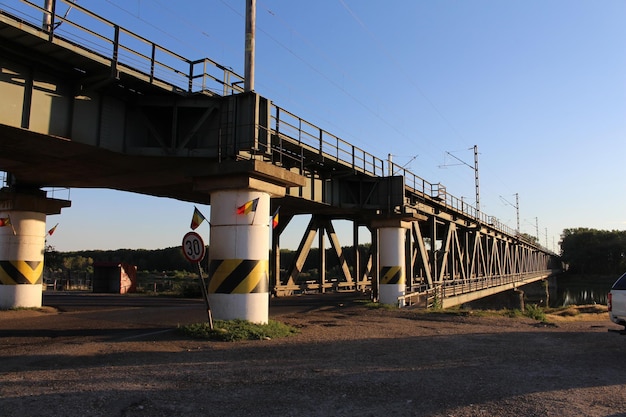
443,259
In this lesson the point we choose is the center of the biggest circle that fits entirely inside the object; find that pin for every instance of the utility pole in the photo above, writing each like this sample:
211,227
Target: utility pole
537,228
47,15
476,178
516,208
476,182
250,45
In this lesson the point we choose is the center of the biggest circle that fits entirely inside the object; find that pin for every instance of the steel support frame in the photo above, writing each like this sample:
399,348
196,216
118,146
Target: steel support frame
355,279
448,254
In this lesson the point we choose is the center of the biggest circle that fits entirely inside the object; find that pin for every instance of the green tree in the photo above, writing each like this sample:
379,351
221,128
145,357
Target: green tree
592,251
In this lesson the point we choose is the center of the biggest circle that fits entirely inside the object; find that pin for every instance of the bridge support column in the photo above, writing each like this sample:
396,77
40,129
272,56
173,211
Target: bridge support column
240,236
239,255
392,262
22,245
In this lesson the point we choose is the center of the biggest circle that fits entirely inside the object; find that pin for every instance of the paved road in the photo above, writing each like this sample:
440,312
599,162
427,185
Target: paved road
134,316
182,308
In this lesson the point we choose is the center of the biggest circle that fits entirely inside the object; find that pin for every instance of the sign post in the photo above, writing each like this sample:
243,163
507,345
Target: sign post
194,250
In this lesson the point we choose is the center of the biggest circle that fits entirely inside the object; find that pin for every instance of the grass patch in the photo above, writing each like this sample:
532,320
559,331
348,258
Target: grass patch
532,311
578,313
535,312
513,313
236,330
374,305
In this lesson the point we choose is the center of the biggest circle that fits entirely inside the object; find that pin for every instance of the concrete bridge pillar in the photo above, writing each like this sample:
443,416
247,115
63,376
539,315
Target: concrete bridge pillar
239,255
240,235
392,262
22,245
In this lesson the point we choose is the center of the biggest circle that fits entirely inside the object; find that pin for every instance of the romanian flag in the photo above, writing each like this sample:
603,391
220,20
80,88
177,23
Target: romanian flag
5,221
275,218
249,207
197,218
51,231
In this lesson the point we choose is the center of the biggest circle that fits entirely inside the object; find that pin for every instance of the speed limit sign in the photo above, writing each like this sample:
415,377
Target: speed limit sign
193,247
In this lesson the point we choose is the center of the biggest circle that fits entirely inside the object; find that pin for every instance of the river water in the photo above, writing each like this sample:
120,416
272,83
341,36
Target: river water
563,290
580,290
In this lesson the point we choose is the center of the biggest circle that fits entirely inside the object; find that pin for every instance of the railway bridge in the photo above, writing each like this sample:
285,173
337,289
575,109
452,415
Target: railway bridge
85,102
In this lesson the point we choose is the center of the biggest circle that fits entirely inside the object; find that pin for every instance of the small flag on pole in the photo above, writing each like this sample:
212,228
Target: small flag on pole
51,231
197,218
6,221
275,218
249,207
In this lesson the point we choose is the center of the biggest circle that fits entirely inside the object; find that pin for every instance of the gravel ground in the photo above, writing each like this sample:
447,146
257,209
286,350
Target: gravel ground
347,360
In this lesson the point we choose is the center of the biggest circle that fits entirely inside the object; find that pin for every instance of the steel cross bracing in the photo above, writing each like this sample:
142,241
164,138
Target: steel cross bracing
165,122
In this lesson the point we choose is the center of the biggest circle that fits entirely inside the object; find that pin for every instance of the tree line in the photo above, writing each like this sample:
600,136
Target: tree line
172,259
594,252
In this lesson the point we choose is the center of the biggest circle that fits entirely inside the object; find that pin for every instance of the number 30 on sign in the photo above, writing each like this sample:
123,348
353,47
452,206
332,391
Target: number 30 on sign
193,247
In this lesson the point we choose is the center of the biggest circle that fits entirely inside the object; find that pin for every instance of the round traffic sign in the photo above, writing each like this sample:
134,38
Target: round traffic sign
193,247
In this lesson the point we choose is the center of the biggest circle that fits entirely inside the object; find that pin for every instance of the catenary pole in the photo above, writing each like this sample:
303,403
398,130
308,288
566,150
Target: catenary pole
250,45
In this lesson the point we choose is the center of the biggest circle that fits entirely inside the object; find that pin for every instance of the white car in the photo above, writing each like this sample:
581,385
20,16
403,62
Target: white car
617,302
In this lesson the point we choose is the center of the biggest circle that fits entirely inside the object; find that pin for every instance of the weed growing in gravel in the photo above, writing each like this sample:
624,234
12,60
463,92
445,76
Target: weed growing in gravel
235,330
535,312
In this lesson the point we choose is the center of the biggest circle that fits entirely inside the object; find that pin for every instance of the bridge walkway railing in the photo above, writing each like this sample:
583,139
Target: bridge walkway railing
122,49
430,297
310,141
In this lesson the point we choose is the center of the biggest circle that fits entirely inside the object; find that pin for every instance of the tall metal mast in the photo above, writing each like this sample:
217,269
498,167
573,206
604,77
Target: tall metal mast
476,178
250,45
475,168
47,15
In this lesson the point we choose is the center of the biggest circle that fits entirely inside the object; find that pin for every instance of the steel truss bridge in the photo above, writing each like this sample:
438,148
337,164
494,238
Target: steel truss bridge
85,102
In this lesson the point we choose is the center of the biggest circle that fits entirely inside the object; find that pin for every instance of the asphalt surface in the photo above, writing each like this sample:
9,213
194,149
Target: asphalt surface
103,355
108,317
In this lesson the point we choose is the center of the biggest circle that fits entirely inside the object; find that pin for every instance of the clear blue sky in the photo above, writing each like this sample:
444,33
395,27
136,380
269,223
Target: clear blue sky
539,86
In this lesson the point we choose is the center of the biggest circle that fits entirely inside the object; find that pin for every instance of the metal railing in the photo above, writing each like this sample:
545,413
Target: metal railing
457,287
122,48
288,126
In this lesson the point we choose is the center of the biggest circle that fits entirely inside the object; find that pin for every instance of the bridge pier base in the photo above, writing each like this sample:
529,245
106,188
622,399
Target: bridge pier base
22,246
240,235
239,255
391,252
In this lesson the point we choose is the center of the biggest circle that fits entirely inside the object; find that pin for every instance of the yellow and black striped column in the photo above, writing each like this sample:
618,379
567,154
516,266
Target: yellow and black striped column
22,241
392,274
239,254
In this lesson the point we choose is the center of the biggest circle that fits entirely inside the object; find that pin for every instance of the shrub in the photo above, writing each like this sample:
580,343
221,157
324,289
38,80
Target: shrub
535,312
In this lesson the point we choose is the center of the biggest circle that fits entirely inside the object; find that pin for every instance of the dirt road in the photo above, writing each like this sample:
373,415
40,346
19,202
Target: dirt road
347,360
